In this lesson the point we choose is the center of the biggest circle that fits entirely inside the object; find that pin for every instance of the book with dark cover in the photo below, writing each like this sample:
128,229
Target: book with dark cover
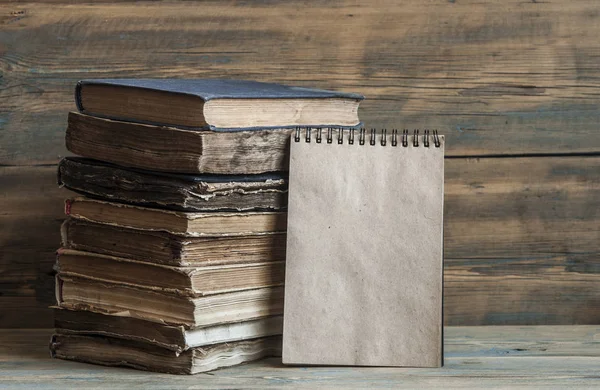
172,337
171,249
173,191
109,351
168,149
217,104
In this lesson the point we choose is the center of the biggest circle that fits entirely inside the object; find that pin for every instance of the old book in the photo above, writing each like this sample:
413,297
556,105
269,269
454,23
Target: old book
364,266
174,338
215,103
176,150
176,222
78,293
190,281
125,353
171,249
173,191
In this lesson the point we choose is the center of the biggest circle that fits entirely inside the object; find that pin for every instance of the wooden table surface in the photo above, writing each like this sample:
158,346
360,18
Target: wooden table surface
475,357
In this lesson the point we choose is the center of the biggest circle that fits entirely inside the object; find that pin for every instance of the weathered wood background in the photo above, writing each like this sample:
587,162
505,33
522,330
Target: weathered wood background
514,85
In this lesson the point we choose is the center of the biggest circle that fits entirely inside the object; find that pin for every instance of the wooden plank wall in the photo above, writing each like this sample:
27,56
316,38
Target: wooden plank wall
514,85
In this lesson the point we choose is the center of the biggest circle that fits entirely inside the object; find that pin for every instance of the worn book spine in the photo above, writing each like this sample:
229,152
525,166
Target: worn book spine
158,247
109,351
171,337
169,249
173,191
176,150
209,89
80,293
184,281
204,224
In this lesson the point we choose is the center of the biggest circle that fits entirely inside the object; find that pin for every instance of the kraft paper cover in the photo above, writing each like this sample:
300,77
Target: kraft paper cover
364,253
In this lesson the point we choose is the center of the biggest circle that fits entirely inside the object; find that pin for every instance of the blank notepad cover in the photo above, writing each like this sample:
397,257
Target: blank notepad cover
364,264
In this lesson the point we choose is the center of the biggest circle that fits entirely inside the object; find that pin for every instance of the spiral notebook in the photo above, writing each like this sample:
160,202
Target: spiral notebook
364,271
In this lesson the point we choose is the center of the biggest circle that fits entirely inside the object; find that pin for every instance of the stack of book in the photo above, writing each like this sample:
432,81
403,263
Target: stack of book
173,254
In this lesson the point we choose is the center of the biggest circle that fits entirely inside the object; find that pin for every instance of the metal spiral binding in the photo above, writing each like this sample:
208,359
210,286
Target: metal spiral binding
372,138
436,139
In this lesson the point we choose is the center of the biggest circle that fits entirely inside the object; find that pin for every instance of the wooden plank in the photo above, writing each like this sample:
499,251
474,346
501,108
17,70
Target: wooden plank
475,357
31,213
495,77
20,312
520,241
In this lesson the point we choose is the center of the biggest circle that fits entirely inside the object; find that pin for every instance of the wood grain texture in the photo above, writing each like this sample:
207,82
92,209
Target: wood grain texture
505,78
521,241
495,77
475,358
31,211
